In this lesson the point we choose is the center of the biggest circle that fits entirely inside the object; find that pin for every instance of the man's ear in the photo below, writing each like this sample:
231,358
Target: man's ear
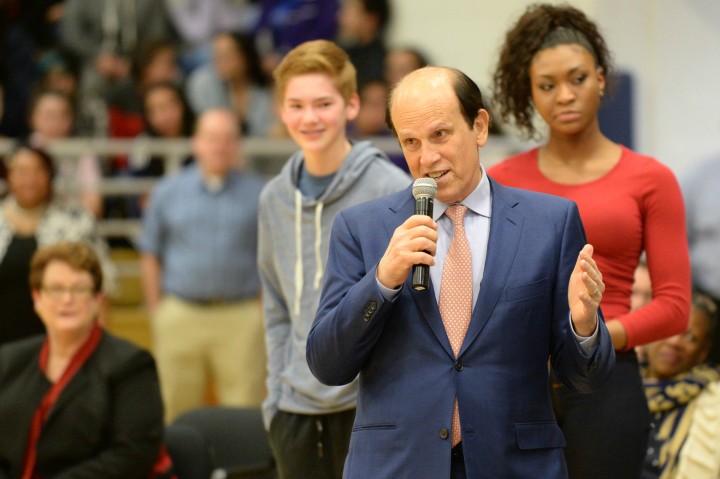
481,127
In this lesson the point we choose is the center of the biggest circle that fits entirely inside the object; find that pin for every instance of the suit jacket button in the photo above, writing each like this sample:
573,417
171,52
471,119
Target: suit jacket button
444,434
370,308
458,365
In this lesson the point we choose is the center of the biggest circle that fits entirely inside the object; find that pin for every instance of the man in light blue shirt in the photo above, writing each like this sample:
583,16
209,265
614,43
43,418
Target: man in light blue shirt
199,248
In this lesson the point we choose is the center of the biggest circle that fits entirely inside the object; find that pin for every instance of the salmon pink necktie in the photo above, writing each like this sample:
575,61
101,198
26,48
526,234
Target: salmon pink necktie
456,294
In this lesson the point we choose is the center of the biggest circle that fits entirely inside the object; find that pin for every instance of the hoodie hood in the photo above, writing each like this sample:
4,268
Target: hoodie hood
361,156
358,160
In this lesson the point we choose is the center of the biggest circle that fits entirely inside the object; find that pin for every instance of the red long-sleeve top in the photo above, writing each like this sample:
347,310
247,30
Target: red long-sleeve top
636,206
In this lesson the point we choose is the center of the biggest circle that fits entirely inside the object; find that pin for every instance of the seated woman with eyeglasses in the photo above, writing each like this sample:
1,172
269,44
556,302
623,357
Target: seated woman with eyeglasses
78,402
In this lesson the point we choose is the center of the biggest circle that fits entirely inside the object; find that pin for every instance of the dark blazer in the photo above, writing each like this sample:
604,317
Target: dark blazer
409,376
107,422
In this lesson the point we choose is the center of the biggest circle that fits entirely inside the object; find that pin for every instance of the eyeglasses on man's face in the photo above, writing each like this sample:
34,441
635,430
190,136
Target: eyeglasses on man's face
56,291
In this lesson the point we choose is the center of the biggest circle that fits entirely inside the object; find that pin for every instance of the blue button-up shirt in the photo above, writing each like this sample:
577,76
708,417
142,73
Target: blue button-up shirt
205,239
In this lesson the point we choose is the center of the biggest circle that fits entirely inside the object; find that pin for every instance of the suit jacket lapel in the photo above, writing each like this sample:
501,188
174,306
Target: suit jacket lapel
505,228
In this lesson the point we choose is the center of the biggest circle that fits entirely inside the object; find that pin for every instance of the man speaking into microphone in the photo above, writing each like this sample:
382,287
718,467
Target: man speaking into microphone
454,378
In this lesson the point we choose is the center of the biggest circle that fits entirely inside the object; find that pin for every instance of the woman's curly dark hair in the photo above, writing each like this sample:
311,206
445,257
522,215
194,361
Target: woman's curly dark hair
511,80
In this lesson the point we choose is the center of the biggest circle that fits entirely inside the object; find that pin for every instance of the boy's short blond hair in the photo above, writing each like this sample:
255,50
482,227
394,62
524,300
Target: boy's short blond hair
317,56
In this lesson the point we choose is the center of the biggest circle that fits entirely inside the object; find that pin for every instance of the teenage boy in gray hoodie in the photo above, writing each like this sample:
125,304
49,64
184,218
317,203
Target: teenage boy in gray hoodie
309,424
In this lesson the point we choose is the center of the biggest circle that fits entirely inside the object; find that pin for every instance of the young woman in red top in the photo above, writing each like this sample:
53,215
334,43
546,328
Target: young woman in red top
555,62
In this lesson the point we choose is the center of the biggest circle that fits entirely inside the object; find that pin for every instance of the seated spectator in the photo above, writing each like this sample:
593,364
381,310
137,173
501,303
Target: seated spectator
105,35
58,71
683,395
154,62
363,24
370,121
78,179
401,61
30,218
167,115
234,80
78,402
198,21
371,117
28,29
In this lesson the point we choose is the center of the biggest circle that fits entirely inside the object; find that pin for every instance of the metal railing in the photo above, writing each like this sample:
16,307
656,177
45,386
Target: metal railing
262,155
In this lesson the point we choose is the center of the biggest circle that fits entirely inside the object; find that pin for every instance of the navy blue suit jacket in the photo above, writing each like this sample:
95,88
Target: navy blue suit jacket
409,376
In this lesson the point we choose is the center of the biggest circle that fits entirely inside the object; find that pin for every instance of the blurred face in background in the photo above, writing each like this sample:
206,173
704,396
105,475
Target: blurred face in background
399,63
228,58
162,67
164,112
57,79
680,353
371,118
356,24
52,117
349,20
29,180
216,142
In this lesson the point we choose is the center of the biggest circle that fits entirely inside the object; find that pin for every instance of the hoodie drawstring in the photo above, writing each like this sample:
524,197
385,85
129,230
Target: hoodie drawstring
298,252
317,281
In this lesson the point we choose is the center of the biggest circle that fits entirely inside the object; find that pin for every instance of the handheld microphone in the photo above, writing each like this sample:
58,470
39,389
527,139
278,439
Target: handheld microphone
424,191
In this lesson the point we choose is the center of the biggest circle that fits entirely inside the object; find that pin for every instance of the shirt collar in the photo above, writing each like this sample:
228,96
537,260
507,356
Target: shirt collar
213,185
478,201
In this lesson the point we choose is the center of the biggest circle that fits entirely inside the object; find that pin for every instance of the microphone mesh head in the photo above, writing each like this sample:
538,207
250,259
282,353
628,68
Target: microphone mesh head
424,188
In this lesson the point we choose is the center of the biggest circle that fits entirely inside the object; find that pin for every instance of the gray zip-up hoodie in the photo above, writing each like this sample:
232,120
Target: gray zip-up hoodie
293,237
